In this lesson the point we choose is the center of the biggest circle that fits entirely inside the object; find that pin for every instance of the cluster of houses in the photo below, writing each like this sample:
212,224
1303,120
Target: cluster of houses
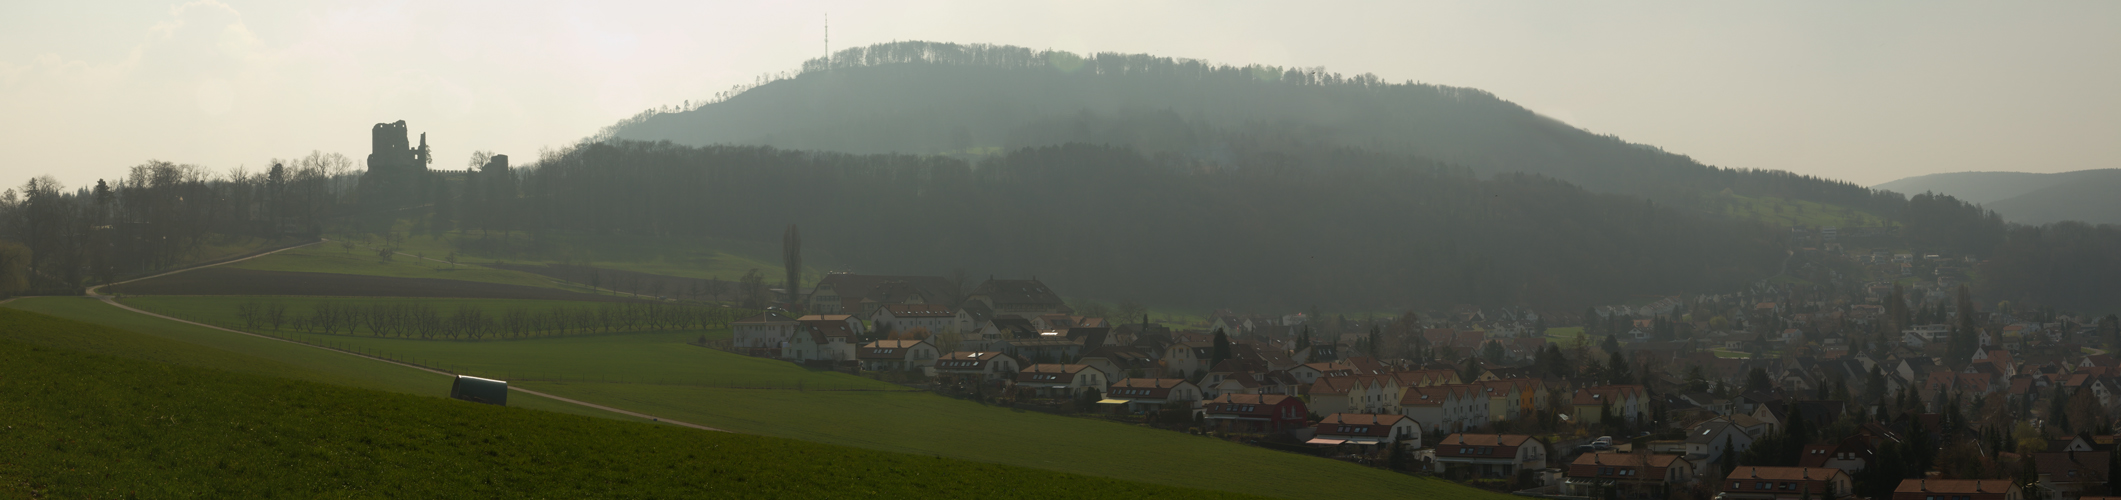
1773,354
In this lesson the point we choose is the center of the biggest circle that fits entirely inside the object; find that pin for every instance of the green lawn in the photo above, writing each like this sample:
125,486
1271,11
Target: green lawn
926,424
658,374
130,335
220,310
1565,335
329,257
82,425
703,258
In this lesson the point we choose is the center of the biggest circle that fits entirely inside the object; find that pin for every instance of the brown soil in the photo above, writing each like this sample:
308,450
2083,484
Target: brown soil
233,281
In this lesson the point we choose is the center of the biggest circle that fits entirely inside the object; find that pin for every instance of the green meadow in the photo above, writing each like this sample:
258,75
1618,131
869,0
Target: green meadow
82,425
126,334
702,258
659,374
329,257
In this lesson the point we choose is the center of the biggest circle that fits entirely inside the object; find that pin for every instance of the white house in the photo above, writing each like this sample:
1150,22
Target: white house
765,334
982,365
811,343
896,355
906,317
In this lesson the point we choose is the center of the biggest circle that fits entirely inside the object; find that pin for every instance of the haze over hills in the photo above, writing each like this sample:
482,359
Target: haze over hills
2029,198
1242,162
977,100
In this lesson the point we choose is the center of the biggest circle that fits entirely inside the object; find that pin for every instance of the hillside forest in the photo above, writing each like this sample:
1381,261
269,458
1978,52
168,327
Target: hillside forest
1282,203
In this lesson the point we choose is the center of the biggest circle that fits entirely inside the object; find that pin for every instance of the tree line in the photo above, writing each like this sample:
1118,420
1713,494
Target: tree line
1329,224
413,320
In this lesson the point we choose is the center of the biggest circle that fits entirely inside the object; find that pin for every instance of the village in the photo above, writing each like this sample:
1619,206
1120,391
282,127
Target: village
1900,389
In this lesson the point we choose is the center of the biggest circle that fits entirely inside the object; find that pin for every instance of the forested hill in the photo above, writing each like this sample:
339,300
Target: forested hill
1284,228
972,100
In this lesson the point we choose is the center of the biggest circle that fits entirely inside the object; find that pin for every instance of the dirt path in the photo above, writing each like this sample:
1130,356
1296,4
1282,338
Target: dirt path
95,292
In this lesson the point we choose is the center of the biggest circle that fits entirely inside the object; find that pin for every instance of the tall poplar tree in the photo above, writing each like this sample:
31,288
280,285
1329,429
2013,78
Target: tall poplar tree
792,260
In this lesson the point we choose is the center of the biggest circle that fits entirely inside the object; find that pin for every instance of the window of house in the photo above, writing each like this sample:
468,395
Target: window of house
1767,486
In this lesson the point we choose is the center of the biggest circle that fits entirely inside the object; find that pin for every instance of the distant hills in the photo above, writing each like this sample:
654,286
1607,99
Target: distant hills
2029,198
978,101
1186,182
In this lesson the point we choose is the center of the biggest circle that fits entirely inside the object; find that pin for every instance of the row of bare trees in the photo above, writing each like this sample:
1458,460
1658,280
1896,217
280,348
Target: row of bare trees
414,320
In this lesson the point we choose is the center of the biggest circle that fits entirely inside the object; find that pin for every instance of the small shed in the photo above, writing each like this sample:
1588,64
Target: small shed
480,390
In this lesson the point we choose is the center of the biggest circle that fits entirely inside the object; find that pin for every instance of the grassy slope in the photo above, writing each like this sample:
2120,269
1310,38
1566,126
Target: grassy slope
84,425
657,374
1785,212
142,337
703,258
331,258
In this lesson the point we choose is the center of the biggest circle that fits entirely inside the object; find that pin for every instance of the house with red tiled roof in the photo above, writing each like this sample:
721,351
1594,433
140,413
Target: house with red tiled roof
1786,483
1355,394
975,366
1489,455
1145,395
1048,380
1256,412
1446,408
1187,359
1957,489
1425,378
896,355
835,322
1234,383
1852,454
821,341
934,318
1367,429
763,335
1311,372
2072,473
1594,473
1625,401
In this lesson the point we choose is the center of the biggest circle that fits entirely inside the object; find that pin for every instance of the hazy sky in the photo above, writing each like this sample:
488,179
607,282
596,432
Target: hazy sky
1862,91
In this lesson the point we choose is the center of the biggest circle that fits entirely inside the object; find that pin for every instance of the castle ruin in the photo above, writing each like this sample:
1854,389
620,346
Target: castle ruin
397,171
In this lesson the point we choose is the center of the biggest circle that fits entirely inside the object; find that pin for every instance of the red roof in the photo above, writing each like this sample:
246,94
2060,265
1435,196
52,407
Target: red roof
1046,373
886,349
919,311
1144,388
966,360
1255,405
1436,394
1623,466
1481,445
1991,486
1773,479
1359,424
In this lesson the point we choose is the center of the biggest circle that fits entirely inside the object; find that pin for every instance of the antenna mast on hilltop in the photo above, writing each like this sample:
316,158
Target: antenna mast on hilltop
828,38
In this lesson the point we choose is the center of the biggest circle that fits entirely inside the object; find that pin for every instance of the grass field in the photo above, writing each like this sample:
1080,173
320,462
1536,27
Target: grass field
703,258
126,334
1564,335
87,426
221,310
226,280
331,258
1786,212
658,374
